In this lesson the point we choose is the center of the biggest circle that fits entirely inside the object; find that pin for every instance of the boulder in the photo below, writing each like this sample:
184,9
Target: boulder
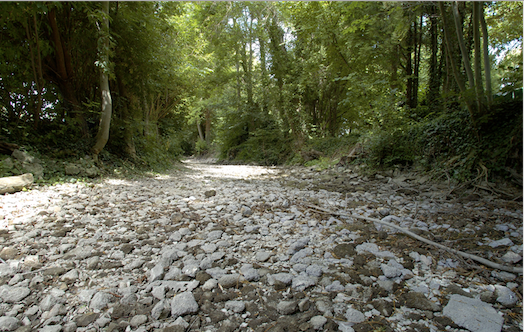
13,184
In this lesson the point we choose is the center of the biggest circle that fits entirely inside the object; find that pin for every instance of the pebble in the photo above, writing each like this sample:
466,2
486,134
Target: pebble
175,254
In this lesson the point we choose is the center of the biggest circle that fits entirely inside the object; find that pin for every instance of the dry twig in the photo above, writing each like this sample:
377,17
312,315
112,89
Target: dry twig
420,238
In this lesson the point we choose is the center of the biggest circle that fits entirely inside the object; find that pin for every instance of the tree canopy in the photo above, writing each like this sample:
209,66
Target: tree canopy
415,82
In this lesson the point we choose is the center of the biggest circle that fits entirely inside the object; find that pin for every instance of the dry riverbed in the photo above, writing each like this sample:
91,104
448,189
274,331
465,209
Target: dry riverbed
243,248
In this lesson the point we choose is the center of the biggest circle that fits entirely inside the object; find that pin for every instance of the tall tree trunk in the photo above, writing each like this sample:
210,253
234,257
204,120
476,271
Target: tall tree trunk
458,77
208,125
105,117
64,72
463,49
477,60
487,64
434,72
409,68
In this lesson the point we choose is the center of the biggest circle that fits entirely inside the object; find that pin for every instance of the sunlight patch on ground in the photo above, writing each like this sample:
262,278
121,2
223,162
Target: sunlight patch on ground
228,171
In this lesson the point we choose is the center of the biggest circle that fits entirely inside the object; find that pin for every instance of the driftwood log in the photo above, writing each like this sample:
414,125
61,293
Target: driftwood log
7,148
13,184
420,238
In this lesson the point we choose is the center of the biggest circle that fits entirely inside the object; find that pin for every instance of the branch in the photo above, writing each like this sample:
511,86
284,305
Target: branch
420,238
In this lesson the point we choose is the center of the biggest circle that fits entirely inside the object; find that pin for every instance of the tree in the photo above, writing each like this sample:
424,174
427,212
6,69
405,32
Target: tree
104,64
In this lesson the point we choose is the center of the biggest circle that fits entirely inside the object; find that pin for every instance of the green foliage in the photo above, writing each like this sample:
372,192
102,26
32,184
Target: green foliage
201,147
265,146
322,163
390,147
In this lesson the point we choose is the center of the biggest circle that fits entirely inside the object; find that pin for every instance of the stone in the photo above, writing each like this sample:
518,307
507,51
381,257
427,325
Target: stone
473,314
100,300
183,304
51,328
70,277
12,184
138,320
505,296
13,294
210,193
317,322
511,257
86,319
230,280
8,253
262,256
417,300
72,169
354,316
235,306
501,243
298,245
344,250
9,323
156,273
302,282
287,307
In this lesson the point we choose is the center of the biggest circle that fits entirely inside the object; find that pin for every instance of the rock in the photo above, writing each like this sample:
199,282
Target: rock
100,300
317,322
12,184
13,294
287,307
86,319
210,193
354,316
231,280
298,245
138,320
511,257
8,253
262,256
301,282
183,304
505,296
246,211
156,273
9,323
214,235
500,243
417,300
51,328
72,169
22,156
70,277
344,250
235,306
473,314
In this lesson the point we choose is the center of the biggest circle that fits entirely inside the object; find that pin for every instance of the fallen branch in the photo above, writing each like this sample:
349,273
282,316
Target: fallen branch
420,238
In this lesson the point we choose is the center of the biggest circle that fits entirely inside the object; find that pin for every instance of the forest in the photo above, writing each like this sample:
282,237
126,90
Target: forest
432,85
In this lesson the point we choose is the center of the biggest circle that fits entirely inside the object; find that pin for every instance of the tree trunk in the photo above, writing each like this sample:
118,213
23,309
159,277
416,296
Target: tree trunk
105,117
487,65
208,125
463,49
64,72
434,72
477,60
458,77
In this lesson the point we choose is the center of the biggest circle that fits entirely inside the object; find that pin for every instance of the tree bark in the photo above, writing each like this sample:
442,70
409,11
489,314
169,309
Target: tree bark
477,59
455,69
463,50
105,117
64,72
487,64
